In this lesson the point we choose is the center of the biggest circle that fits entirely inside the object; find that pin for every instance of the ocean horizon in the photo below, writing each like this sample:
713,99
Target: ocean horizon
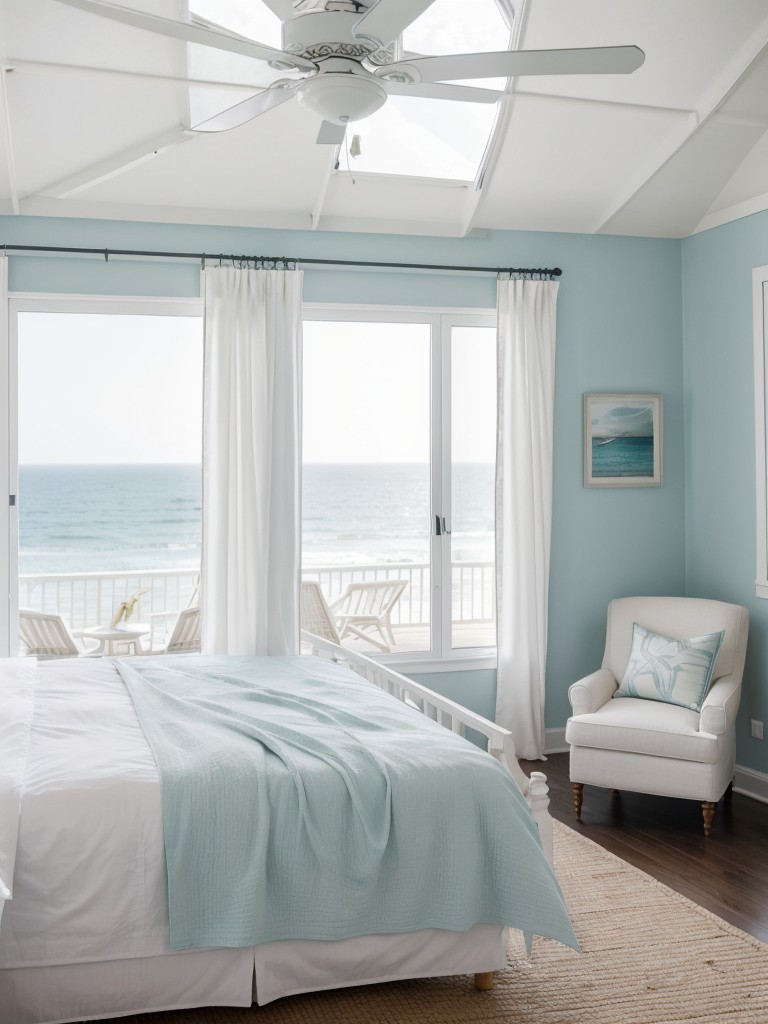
622,456
116,518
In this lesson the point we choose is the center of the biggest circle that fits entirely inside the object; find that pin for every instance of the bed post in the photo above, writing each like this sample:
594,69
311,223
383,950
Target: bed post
484,981
538,798
536,792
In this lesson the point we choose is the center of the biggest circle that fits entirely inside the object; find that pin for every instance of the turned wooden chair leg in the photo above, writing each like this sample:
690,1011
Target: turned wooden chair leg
708,810
484,981
577,788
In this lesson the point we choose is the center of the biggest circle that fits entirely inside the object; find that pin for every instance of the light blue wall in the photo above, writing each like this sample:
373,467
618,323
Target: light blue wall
720,443
475,689
619,329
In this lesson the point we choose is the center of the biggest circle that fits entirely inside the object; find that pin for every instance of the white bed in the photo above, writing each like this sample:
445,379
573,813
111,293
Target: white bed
90,835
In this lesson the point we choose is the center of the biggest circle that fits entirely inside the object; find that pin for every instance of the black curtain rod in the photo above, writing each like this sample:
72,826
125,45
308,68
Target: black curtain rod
203,256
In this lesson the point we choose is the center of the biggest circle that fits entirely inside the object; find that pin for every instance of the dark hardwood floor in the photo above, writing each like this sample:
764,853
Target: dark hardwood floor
726,873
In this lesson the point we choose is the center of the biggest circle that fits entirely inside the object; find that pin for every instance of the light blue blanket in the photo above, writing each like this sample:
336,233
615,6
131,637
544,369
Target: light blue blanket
300,801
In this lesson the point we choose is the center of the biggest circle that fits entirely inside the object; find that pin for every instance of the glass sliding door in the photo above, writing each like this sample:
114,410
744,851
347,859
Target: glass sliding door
367,482
472,458
399,477
109,470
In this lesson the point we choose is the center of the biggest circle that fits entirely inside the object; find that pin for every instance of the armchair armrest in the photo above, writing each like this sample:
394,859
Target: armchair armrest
720,706
591,692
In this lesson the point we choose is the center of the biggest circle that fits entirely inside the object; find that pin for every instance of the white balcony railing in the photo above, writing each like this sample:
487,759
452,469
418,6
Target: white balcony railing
472,588
89,599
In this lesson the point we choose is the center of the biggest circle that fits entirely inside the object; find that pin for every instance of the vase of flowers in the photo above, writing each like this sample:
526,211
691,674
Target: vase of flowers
126,608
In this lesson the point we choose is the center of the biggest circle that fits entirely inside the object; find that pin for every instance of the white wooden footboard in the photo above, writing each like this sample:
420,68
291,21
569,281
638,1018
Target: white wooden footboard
451,715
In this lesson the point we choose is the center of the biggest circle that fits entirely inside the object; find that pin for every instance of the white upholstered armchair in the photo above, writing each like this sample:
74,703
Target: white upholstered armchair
651,745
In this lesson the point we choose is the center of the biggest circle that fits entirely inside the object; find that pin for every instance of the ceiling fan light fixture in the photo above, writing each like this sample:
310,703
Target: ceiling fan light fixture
341,98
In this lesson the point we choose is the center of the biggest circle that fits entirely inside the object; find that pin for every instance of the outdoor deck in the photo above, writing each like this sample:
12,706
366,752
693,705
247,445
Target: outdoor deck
414,638
89,600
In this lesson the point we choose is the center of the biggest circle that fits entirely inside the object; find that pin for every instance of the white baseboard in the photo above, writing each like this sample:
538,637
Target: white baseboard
554,741
751,783
746,781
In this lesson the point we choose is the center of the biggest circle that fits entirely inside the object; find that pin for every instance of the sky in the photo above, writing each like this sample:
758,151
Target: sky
105,388
101,388
634,419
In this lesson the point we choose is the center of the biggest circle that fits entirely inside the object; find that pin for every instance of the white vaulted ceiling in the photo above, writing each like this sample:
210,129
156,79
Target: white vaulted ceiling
93,116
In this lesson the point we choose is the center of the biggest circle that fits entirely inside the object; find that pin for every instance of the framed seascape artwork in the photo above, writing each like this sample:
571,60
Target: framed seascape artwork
622,440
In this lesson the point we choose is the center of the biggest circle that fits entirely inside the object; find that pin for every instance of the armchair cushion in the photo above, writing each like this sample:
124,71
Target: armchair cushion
644,727
673,671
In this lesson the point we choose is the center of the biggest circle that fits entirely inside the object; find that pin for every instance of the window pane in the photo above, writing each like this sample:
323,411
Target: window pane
473,454
110,424
366,485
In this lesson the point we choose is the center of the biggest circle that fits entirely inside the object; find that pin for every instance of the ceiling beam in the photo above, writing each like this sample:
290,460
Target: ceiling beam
322,192
471,203
10,162
707,108
588,101
713,219
501,127
115,165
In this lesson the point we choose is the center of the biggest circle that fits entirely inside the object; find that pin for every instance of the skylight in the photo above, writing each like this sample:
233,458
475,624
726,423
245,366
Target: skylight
409,136
435,138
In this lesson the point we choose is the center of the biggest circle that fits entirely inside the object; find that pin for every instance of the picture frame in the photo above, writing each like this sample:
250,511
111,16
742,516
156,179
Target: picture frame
623,440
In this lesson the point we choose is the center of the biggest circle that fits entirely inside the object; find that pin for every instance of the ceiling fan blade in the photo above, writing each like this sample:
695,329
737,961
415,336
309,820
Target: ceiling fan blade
386,20
331,134
599,60
190,33
232,117
441,91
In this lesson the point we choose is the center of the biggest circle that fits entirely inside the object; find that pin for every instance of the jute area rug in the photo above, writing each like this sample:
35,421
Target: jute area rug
649,956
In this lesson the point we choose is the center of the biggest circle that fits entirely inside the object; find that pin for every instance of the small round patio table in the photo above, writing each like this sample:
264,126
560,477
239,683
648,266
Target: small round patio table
112,637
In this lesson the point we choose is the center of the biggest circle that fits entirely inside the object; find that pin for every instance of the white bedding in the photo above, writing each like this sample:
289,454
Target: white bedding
90,830
89,889
16,706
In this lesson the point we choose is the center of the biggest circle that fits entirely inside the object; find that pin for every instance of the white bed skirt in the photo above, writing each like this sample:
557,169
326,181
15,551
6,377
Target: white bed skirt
239,977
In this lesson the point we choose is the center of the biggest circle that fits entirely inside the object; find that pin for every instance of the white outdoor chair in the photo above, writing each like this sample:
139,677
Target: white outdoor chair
316,616
649,746
185,635
366,608
45,635
162,623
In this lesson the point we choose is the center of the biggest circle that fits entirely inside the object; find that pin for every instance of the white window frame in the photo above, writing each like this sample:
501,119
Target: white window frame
760,319
441,657
20,302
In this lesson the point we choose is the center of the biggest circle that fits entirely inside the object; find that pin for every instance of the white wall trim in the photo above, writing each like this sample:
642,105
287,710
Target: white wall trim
554,741
760,327
751,783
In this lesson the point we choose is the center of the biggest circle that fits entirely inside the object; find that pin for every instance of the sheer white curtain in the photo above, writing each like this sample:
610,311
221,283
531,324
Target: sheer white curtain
251,461
526,386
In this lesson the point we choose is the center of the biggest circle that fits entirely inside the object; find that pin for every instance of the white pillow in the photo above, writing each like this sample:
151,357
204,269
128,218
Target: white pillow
673,671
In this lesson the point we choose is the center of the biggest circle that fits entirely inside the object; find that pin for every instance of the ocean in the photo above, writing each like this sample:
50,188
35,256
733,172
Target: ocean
622,456
75,519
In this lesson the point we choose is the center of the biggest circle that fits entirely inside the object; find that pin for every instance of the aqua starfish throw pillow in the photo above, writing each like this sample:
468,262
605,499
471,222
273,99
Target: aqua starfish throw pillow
673,671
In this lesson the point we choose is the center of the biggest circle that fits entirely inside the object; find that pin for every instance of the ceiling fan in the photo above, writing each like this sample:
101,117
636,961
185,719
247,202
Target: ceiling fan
340,53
